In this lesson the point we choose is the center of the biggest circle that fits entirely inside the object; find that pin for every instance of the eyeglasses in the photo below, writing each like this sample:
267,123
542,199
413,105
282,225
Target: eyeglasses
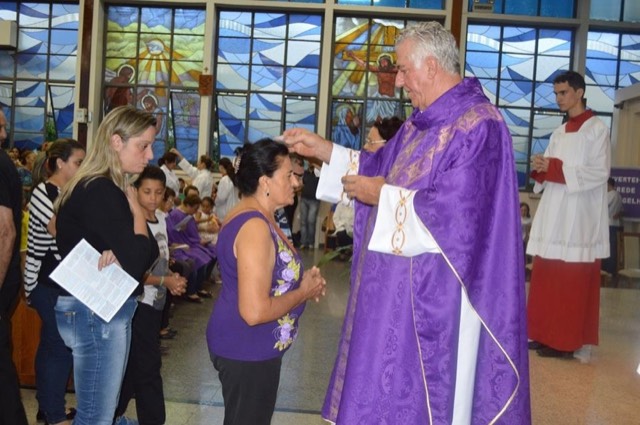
374,142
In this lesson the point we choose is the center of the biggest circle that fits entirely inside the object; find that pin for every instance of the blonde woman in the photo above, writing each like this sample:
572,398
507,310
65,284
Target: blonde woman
99,205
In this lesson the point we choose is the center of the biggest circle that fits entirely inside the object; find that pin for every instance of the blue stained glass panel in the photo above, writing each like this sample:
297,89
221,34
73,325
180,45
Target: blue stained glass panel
519,40
234,50
545,97
259,129
270,25
602,45
265,106
391,3
235,24
521,7
301,111
189,21
603,72
517,67
490,88
155,20
557,9
65,16
607,10
520,148
123,18
31,66
548,67
62,68
554,42
427,4
234,77
483,38
33,41
6,64
304,54
267,78
64,42
302,81
29,118
306,1
8,10
268,52
483,64
631,11
34,15
305,27
515,93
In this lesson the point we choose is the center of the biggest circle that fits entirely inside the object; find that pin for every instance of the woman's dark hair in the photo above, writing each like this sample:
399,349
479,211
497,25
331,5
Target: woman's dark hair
150,172
168,193
190,187
192,201
259,159
388,127
228,167
60,149
208,162
167,158
208,199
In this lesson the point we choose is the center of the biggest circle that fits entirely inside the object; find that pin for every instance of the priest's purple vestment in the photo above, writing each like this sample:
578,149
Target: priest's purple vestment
438,337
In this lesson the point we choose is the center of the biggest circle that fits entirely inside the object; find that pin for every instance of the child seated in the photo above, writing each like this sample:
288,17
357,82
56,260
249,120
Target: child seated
208,222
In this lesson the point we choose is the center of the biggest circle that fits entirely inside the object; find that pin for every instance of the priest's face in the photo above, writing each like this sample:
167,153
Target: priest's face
413,76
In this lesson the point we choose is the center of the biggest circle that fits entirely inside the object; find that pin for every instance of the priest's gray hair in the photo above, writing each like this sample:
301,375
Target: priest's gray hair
432,39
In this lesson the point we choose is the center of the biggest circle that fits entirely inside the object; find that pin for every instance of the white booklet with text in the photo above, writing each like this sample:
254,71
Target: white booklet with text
103,291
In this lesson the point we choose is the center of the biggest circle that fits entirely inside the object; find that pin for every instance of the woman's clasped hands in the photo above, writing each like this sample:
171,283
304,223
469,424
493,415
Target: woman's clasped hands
313,284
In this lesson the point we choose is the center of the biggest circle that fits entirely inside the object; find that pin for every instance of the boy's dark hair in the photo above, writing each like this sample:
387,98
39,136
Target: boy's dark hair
150,172
575,80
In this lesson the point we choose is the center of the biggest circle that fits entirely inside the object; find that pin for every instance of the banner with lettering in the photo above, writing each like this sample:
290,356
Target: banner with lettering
628,185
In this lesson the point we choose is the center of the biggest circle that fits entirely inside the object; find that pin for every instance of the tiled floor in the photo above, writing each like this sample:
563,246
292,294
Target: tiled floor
604,392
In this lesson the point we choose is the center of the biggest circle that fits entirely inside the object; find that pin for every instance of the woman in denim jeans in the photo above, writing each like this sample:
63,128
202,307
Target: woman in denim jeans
53,359
99,205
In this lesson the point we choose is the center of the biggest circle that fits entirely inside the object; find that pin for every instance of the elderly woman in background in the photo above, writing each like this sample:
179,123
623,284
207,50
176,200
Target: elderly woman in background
383,129
53,360
99,205
256,317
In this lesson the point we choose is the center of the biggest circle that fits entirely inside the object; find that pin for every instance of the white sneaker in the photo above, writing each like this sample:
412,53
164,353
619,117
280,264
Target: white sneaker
583,354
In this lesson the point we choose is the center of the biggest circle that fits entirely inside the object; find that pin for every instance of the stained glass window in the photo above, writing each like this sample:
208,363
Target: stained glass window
546,8
37,79
615,10
417,4
516,66
267,75
613,62
153,60
364,73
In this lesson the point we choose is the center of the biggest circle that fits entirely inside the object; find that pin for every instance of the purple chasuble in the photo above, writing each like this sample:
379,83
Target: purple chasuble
397,358
188,234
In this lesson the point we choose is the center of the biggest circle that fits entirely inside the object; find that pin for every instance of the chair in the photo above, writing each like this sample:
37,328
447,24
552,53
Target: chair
629,252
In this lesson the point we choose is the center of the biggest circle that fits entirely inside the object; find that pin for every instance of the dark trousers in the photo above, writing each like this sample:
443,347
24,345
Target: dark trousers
610,264
142,378
54,360
11,409
249,389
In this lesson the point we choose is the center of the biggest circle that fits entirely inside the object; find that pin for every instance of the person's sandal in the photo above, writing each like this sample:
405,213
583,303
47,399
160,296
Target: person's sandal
192,298
204,294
